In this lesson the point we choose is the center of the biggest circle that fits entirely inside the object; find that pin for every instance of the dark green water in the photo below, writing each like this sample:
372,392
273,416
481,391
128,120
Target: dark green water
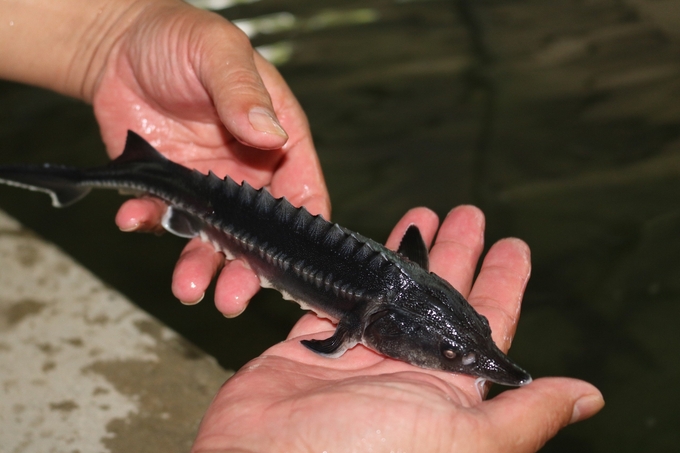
559,119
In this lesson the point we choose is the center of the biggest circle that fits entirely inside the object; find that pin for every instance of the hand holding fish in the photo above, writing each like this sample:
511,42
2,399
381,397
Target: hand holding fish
289,399
389,302
191,82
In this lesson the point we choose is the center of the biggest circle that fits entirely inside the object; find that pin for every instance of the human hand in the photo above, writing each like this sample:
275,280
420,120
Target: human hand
290,399
192,85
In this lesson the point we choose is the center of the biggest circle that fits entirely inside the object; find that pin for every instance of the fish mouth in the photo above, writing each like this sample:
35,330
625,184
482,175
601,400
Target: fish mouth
498,368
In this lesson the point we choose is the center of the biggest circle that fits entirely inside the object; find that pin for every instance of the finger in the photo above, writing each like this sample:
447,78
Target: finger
499,288
299,176
311,324
140,214
194,270
426,221
236,285
527,417
232,80
459,244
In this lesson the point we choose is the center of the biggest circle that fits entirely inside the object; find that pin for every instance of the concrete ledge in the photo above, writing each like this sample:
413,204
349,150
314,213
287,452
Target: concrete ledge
84,370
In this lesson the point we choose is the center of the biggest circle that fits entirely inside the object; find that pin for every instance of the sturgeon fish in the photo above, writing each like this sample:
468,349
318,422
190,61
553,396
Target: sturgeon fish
388,301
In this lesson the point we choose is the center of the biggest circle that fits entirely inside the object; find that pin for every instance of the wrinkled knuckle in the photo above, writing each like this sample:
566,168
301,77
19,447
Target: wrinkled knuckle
239,38
493,310
243,81
234,37
242,78
219,35
462,247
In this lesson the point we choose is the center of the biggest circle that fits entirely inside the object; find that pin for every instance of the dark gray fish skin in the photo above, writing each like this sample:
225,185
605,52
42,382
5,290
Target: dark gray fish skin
387,301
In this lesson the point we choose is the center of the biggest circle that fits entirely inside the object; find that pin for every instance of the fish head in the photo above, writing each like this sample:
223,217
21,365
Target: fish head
435,327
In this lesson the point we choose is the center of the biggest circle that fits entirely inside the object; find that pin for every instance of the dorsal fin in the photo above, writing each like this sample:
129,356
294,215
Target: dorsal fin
413,247
138,150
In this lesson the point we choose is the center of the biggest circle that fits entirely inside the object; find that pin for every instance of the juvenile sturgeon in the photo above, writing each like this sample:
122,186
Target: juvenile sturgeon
388,301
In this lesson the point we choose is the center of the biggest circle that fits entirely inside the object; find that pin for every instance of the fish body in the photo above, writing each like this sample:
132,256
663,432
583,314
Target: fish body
385,300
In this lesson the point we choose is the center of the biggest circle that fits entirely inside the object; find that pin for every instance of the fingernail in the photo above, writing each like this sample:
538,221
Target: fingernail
233,315
184,302
264,121
131,228
586,407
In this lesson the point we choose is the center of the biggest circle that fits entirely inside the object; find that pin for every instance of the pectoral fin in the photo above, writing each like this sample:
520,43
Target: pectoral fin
181,223
334,346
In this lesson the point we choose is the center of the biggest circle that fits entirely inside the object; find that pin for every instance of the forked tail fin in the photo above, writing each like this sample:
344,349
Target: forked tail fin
66,185
60,183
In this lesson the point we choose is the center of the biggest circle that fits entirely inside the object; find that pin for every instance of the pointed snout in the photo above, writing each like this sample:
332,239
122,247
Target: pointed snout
500,369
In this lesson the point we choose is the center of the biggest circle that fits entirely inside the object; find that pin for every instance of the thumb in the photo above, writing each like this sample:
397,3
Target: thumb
240,97
527,417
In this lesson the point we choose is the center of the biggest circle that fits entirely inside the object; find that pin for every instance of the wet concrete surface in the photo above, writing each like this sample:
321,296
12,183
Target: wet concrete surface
560,119
84,370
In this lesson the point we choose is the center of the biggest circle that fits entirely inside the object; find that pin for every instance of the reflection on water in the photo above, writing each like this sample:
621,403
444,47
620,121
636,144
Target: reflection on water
270,24
561,119
281,51
216,5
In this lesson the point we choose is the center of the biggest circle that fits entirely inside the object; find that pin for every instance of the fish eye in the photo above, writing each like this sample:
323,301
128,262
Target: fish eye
449,354
448,351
